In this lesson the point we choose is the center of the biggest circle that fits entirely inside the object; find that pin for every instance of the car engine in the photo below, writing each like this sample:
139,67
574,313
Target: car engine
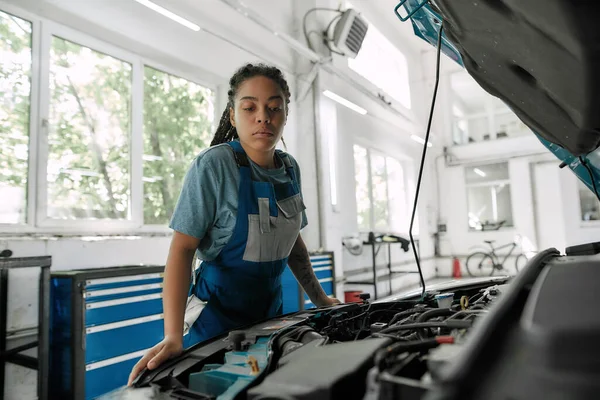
356,351
533,336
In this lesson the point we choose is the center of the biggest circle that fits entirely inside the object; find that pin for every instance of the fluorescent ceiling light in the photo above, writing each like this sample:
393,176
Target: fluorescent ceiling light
344,102
479,172
419,139
169,14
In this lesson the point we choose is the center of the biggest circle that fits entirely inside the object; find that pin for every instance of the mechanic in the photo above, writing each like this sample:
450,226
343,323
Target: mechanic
240,210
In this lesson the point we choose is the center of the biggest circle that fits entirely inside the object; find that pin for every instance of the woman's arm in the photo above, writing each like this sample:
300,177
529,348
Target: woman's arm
177,283
175,289
299,262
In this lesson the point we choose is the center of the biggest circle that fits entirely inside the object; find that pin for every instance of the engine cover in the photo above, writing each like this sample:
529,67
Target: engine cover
329,372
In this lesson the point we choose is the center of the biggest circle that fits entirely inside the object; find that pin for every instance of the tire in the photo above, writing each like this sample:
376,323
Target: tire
520,262
480,264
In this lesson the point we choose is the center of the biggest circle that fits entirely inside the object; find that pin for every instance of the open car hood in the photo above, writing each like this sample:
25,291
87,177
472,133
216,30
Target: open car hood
541,57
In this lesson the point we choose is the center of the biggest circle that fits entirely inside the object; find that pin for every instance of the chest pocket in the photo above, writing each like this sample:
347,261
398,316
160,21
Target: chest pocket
272,238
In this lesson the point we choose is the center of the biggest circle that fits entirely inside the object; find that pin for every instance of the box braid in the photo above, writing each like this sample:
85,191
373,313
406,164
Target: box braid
227,132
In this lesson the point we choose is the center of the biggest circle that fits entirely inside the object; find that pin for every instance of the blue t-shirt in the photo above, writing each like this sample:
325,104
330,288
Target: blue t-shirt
208,203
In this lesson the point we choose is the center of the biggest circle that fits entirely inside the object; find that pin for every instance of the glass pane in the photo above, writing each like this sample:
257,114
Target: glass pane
380,62
380,193
178,117
590,207
507,124
363,203
399,210
15,90
489,205
89,134
478,128
487,173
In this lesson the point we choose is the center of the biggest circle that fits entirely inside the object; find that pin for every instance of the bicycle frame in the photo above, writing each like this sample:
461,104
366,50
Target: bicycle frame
512,246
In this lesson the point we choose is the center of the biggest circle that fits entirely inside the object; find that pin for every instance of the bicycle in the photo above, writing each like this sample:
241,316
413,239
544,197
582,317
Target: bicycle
486,263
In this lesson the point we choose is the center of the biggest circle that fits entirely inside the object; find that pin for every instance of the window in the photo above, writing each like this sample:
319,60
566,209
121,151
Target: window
381,197
15,93
478,116
88,171
178,116
488,196
590,206
363,188
380,62
111,138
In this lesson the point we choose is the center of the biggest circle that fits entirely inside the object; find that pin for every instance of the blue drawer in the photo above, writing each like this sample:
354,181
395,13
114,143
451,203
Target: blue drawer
111,340
105,312
121,281
108,375
323,274
91,296
320,259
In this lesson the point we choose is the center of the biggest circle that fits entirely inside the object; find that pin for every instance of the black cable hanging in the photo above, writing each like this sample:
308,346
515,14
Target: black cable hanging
585,164
412,219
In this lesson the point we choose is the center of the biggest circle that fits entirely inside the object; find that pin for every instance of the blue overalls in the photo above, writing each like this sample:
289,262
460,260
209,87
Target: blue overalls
243,284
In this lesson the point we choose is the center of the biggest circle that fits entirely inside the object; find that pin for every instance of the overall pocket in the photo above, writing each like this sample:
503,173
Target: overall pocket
272,238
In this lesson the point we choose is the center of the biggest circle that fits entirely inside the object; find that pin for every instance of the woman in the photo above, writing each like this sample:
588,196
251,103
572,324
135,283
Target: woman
241,210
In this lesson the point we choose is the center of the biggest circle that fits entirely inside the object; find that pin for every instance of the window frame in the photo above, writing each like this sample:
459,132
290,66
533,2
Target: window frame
490,183
37,221
34,98
50,30
405,175
157,228
584,223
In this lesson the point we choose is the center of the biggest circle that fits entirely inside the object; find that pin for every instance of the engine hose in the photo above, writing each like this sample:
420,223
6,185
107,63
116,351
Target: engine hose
452,324
436,312
406,313
427,315
401,347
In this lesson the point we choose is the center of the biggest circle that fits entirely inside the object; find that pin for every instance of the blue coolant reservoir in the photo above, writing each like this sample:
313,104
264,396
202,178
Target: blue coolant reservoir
225,381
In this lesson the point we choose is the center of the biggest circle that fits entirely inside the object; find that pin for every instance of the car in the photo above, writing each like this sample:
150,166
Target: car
532,336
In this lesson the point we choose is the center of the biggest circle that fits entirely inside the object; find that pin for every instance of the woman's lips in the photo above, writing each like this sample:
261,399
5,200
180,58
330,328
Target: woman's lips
263,134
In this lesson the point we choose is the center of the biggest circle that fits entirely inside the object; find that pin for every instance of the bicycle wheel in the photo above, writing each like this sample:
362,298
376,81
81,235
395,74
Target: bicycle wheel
480,264
520,262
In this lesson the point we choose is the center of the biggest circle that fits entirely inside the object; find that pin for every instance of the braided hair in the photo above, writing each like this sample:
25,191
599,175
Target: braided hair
227,132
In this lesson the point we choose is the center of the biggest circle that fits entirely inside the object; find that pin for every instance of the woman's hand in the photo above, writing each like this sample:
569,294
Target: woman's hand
166,349
328,302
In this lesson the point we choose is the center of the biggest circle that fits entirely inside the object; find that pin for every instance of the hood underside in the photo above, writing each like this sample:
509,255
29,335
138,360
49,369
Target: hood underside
541,57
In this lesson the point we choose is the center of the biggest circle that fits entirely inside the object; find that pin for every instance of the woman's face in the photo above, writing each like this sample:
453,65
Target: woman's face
259,113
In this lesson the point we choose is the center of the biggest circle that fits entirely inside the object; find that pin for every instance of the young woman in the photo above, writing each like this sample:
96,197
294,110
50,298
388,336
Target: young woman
240,210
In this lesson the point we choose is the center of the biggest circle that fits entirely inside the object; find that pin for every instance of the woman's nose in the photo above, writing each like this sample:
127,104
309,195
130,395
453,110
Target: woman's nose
263,116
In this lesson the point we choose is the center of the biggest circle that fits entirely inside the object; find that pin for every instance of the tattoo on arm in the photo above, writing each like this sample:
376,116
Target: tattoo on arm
299,262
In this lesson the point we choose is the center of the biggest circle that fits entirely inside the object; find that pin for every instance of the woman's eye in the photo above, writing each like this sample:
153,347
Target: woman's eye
248,109
275,109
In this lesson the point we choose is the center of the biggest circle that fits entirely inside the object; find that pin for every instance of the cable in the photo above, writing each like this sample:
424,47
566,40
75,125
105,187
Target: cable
311,11
591,176
452,324
414,212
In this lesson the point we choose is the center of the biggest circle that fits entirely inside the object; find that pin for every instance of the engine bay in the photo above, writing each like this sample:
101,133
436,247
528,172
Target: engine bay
356,350
532,336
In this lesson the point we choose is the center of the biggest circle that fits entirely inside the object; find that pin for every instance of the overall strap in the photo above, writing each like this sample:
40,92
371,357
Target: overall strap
289,167
240,155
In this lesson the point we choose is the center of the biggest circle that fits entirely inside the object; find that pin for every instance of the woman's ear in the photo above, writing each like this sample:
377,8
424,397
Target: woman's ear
232,116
